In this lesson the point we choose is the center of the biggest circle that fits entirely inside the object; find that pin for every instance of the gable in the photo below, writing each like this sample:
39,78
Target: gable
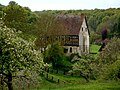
84,28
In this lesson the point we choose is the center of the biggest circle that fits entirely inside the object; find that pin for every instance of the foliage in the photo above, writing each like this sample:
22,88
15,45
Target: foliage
66,64
32,81
109,60
48,29
20,18
1,7
111,23
16,55
95,38
54,54
112,71
1,12
15,16
86,67
111,52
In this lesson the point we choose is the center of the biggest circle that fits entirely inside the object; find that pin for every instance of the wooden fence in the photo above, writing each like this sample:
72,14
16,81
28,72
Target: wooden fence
47,74
48,70
51,78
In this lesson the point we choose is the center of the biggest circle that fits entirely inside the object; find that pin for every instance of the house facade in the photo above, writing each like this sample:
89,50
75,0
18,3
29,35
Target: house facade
77,36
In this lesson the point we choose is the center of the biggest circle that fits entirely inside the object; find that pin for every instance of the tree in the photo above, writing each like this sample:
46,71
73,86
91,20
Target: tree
15,16
1,11
18,17
86,67
111,52
49,29
111,71
109,60
54,54
16,55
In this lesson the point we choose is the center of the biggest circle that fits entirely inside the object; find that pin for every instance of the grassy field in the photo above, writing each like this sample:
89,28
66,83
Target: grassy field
77,83
94,85
94,48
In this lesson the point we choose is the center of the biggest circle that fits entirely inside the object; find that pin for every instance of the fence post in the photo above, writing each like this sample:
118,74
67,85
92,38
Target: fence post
52,77
58,81
47,76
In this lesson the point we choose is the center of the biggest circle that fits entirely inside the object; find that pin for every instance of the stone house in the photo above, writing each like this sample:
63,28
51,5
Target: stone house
77,36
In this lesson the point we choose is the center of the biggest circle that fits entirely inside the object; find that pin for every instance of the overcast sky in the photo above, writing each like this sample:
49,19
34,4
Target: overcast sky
38,5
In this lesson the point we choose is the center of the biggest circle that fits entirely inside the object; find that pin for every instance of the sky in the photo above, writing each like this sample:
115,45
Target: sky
39,5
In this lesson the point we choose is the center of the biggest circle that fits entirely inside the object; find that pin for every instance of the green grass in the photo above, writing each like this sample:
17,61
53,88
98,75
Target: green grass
94,48
76,83
65,80
69,79
93,85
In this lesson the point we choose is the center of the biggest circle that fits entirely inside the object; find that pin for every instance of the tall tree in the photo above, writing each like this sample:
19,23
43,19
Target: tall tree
109,60
1,10
18,17
48,27
54,54
15,16
16,55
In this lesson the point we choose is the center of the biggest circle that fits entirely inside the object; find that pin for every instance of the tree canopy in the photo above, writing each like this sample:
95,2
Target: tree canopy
18,17
16,55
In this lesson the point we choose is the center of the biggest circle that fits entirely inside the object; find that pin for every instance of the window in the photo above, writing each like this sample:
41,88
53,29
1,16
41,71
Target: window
70,49
82,28
65,50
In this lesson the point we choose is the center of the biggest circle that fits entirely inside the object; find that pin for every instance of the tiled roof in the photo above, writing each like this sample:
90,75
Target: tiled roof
72,23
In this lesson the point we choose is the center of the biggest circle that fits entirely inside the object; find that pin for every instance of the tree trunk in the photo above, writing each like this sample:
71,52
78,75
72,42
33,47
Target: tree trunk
10,87
86,77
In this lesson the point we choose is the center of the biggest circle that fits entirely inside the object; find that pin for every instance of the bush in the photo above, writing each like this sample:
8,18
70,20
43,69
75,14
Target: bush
86,67
54,54
109,61
112,71
111,52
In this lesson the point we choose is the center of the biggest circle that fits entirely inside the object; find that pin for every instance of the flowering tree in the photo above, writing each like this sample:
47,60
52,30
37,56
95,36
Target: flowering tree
86,67
16,55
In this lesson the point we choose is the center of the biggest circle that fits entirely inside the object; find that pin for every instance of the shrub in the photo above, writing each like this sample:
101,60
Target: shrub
109,60
111,52
86,67
112,71
54,54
